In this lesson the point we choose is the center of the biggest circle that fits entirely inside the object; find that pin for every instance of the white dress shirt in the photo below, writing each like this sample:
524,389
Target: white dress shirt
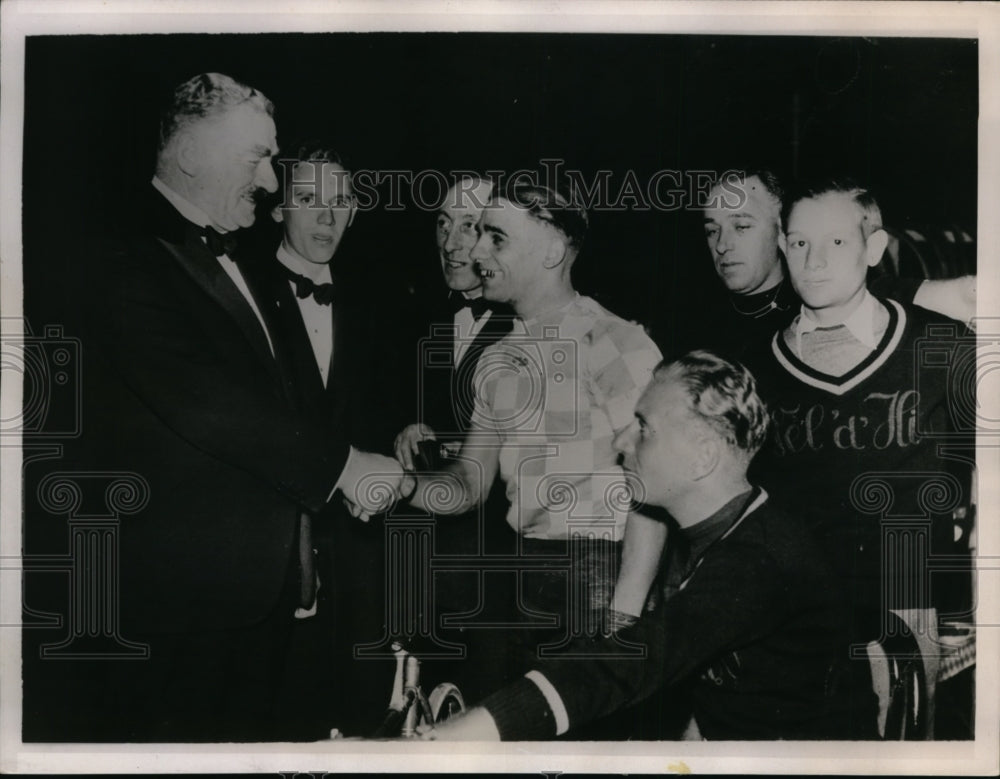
318,318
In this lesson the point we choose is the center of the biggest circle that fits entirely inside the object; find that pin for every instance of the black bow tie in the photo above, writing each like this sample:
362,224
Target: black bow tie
219,243
478,306
321,293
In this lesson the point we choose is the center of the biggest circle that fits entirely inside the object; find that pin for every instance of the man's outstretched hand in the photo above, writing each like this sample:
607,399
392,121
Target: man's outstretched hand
407,443
372,483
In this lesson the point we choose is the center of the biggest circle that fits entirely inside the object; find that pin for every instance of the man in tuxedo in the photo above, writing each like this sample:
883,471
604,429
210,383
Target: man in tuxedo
330,335
465,324
190,385
462,325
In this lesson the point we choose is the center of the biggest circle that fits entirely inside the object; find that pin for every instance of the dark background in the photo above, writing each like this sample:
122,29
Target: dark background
900,114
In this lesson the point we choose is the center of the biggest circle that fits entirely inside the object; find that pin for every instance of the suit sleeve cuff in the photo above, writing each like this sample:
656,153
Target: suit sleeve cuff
522,711
347,465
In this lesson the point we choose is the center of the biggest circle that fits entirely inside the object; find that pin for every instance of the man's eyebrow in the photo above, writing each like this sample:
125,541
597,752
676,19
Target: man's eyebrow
492,229
742,215
260,150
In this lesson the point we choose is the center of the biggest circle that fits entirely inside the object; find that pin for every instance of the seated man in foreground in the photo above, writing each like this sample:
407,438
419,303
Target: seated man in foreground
750,609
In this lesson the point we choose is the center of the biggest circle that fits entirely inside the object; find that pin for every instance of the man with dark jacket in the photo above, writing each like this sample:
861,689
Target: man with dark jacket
190,387
750,613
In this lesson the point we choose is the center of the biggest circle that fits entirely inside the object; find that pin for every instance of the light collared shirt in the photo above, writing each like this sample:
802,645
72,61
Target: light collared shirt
556,391
467,327
861,324
195,215
317,318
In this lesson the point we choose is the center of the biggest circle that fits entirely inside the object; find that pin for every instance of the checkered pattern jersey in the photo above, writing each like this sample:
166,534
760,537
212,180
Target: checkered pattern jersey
555,391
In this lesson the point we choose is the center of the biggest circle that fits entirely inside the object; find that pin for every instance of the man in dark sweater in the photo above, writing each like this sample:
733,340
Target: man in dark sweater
750,612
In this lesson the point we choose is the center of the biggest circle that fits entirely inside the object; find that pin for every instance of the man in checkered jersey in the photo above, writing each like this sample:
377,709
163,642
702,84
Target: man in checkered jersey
550,397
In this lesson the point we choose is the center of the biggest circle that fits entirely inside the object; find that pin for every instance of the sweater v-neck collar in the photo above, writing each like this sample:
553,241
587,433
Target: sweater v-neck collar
838,385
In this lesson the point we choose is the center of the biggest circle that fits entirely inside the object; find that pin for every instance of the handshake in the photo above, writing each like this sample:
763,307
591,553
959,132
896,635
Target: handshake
373,483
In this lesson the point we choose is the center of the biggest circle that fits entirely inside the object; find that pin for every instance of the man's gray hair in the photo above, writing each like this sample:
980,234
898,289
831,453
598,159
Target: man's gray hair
203,96
722,394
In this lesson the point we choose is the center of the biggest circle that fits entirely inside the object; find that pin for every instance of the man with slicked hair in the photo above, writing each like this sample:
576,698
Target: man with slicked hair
750,613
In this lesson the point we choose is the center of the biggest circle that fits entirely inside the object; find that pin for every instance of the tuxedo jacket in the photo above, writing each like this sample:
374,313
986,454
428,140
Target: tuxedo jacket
360,398
181,387
445,392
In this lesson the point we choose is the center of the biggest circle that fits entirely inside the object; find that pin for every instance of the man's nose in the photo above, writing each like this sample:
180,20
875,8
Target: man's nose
723,244
324,216
454,240
815,258
265,178
479,250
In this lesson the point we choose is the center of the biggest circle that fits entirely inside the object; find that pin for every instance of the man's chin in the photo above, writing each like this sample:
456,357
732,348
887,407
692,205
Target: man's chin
461,282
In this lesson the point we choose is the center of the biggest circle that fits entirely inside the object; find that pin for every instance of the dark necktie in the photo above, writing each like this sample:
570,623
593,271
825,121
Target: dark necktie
322,293
219,243
478,306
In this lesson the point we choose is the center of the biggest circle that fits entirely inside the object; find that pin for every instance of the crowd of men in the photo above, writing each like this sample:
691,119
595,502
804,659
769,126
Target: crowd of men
703,507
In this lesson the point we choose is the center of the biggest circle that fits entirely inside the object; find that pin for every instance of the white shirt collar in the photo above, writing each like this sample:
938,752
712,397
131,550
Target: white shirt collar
295,262
187,209
860,324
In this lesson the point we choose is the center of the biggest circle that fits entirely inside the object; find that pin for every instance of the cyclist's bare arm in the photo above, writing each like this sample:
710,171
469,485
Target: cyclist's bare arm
465,481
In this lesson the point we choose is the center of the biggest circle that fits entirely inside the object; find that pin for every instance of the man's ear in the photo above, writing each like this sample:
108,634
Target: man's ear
354,210
875,247
705,457
556,253
782,241
188,153
277,214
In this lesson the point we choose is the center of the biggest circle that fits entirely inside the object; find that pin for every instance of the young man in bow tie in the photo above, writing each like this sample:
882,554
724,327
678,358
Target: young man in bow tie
331,337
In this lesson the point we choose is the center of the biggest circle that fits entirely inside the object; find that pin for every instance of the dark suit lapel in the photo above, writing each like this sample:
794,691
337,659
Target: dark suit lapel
306,378
204,269
182,240
337,377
